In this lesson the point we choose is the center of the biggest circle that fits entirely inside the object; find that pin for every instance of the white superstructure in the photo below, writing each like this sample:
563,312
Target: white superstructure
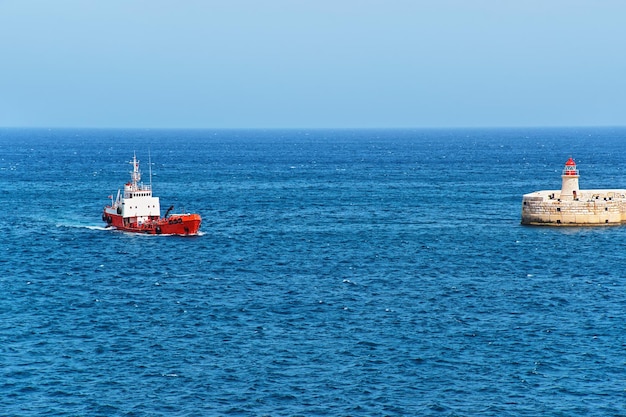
137,202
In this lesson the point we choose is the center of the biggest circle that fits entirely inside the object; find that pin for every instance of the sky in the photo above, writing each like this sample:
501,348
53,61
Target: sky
312,63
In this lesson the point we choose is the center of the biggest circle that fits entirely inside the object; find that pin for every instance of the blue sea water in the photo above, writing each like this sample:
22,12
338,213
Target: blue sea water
339,273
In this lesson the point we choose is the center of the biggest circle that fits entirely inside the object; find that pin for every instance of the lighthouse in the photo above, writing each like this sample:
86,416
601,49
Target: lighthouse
573,206
570,176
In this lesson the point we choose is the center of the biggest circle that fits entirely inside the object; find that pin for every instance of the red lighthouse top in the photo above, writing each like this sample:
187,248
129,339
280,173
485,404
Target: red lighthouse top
570,168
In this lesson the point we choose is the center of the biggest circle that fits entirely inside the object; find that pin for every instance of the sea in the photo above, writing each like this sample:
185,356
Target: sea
337,273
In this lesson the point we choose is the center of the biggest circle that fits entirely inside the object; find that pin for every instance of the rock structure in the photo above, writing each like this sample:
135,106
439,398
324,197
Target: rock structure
571,206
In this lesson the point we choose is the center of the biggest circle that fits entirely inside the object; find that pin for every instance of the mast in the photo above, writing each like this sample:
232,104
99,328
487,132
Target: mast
135,175
150,168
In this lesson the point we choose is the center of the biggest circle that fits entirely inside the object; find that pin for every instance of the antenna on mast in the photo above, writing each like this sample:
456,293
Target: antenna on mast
150,165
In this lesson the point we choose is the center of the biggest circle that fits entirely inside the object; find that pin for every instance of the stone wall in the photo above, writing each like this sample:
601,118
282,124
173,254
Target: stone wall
537,210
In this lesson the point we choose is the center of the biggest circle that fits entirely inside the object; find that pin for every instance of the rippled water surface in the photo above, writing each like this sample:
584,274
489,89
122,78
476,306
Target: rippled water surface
374,273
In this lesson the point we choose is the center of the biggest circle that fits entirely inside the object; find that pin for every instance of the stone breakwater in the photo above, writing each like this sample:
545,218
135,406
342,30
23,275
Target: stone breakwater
571,206
590,208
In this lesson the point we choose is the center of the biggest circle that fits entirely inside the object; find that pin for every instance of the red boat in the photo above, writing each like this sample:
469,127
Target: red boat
137,211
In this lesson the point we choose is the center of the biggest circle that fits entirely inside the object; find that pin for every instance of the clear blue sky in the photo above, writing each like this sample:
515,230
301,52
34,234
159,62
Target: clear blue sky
312,63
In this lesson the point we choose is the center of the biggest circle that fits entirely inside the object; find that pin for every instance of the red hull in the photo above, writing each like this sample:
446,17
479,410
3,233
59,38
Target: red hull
176,224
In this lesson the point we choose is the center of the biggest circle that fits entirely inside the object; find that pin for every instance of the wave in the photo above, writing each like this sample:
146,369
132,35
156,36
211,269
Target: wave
82,226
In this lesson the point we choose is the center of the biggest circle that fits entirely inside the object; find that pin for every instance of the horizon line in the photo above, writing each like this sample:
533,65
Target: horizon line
317,128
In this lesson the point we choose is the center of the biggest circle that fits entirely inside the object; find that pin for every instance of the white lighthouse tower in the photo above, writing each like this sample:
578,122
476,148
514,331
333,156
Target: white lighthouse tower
570,176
